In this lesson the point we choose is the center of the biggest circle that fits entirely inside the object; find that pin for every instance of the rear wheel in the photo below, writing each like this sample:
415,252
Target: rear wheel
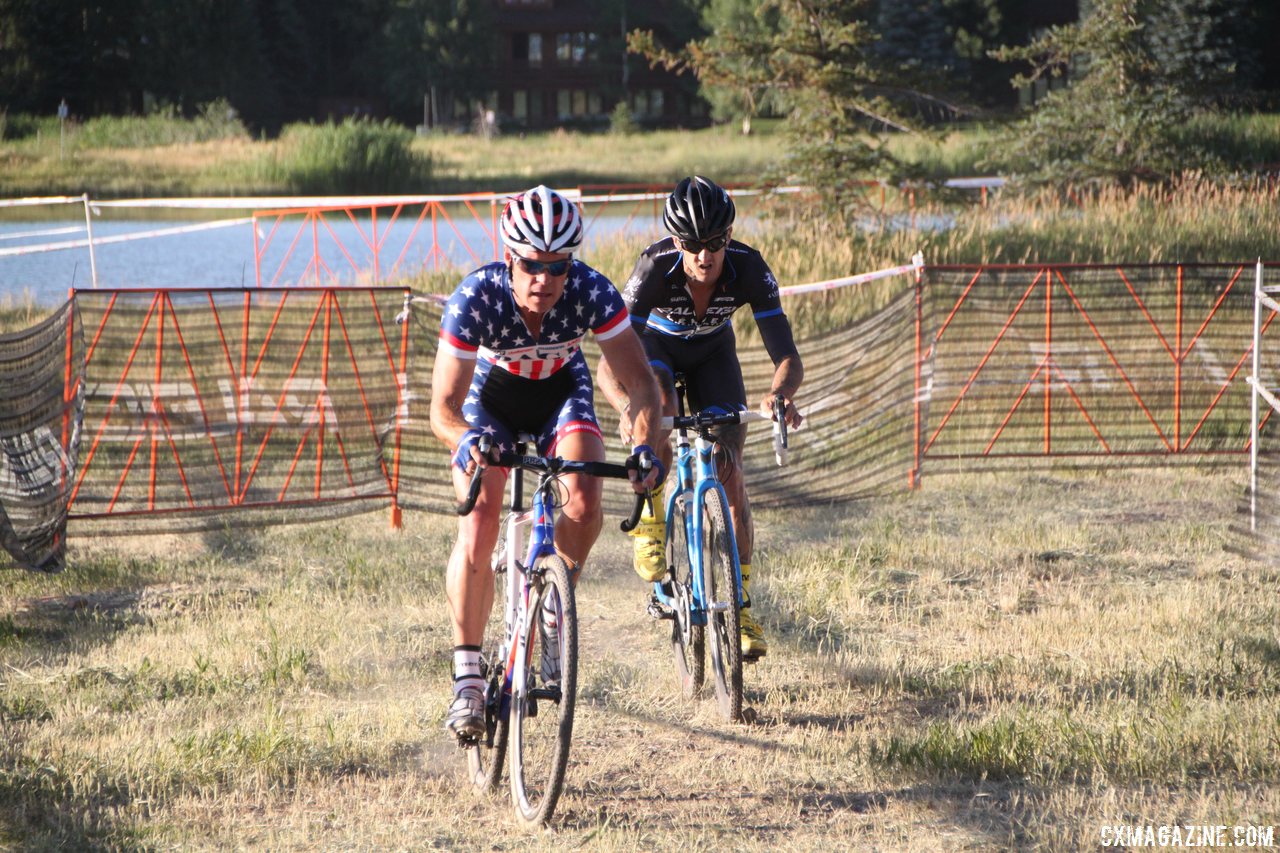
688,641
720,588
542,714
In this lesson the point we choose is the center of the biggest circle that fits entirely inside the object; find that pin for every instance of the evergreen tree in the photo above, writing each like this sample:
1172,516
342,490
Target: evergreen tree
448,44
838,93
1132,85
747,92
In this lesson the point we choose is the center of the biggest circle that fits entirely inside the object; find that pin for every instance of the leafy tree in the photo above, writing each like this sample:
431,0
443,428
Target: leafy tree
449,44
820,61
200,51
746,91
1130,89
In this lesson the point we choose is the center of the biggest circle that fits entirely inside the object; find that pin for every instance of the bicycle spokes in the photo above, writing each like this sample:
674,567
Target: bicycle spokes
543,698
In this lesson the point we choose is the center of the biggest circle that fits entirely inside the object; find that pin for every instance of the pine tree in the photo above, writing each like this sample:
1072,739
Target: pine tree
1135,75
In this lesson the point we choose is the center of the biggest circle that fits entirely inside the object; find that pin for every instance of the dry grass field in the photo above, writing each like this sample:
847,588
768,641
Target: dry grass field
994,662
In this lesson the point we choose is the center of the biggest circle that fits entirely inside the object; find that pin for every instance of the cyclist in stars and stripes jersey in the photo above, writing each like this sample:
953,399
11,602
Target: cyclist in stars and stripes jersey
682,295
510,361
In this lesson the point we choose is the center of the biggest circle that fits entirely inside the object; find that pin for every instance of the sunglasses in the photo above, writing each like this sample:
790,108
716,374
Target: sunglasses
538,267
713,244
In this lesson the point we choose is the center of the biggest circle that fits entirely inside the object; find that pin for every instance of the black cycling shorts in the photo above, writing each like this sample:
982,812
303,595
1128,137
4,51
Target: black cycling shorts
713,376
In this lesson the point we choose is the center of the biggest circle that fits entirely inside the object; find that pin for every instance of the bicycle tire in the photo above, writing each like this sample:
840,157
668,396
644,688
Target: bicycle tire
723,618
688,639
542,719
485,757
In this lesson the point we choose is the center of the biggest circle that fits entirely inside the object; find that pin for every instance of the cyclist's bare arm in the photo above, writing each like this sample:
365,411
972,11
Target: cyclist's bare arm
450,381
625,361
612,388
636,398
787,376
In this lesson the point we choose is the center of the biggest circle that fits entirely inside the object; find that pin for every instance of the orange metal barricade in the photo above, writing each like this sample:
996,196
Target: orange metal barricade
1127,362
203,401
308,232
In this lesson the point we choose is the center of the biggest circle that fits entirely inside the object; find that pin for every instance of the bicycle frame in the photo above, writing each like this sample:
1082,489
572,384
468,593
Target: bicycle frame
540,519
695,475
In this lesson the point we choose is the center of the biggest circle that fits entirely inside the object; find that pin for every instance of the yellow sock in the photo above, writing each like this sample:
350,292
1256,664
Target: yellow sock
659,514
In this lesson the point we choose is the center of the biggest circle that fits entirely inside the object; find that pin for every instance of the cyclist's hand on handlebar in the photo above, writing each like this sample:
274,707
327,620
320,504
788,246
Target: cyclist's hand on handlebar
474,448
792,414
644,469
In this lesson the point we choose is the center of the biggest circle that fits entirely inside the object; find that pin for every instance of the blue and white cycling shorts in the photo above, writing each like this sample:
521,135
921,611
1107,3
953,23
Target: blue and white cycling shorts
502,405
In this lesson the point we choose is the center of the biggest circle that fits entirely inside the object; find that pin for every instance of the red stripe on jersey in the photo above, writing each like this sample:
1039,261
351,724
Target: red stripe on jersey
456,343
620,317
572,427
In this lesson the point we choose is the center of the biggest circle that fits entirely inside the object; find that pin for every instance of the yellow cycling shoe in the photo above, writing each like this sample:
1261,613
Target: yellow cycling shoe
650,550
751,636
650,542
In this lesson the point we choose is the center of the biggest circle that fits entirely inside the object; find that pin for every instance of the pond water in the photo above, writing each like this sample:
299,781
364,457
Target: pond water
178,254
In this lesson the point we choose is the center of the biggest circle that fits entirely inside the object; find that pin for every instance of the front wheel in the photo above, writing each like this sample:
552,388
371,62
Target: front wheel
720,590
542,713
688,640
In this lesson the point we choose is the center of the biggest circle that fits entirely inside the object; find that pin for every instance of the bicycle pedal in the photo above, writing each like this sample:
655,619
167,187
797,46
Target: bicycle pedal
657,610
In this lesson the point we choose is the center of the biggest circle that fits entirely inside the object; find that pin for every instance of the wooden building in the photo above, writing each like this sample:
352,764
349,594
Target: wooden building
563,63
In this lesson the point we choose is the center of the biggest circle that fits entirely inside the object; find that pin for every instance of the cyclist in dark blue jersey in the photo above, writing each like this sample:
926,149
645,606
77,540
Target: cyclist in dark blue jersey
509,361
682,296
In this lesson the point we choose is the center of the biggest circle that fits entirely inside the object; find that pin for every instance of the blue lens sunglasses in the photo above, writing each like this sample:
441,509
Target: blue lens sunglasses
532,267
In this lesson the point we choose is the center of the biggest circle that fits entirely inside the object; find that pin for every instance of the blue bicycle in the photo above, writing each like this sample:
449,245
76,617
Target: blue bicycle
703,593
529,659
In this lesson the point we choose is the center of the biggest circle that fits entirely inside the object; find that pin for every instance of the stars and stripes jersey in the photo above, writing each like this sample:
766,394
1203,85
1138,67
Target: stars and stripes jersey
658,298
481,321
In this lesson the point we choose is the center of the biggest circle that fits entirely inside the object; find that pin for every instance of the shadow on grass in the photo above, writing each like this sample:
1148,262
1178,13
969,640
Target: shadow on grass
986,816
41,808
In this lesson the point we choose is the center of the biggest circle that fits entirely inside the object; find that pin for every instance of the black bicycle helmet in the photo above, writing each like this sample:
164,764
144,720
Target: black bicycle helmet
698,209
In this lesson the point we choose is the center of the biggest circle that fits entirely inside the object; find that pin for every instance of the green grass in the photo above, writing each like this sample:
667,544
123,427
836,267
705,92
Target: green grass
991,662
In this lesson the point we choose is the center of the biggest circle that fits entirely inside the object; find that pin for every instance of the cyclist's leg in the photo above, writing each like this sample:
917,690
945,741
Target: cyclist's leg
469,583
574,433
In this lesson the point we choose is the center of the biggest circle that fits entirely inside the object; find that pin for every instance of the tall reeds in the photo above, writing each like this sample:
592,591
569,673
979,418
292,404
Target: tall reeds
356,156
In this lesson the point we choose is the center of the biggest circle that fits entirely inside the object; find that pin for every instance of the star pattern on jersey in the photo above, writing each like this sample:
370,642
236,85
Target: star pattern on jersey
478,315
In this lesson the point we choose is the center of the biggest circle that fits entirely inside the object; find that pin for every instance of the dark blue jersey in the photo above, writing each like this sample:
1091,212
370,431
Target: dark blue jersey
660,303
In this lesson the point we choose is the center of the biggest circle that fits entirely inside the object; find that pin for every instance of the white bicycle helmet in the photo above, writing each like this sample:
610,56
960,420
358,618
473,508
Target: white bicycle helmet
542,220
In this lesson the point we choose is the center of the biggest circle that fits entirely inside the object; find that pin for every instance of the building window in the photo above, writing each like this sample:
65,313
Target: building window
577,48
579,102
563,106
535,104
595,106
640,103
520,47
535,50
655,102
520,104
